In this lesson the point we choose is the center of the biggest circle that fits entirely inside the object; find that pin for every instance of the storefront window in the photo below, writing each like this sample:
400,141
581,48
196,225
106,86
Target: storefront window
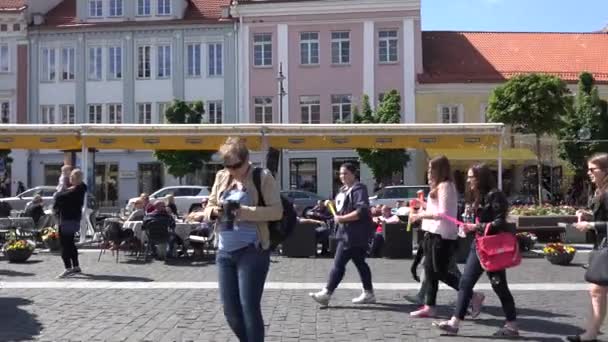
205,176
150,177
51,174
303,174
106,184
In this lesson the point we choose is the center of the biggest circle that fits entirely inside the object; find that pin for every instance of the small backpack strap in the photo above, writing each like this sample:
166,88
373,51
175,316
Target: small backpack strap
257,181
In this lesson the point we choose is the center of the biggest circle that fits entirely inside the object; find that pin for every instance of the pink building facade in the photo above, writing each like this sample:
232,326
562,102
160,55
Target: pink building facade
330,54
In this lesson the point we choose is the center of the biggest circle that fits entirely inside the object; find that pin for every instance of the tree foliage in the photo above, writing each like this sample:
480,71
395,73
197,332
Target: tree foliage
383,163
531,104
181,163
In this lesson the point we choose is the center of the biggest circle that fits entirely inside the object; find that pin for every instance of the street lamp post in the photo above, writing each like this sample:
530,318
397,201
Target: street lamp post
280,79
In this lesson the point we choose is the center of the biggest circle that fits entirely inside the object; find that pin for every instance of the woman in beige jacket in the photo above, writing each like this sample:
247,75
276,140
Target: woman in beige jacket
243,254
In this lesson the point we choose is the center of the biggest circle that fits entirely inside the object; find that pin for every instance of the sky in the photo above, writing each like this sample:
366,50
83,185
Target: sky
515,15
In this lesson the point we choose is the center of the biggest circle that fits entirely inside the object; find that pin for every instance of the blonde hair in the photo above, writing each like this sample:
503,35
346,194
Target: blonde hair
66,167
77,175
234,149
601,161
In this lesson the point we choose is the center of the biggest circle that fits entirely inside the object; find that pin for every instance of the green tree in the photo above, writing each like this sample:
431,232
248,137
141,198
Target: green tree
181,163
531,104
383,163
585,127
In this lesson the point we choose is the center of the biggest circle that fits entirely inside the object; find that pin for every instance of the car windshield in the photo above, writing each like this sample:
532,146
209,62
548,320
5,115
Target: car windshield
401,192
30,193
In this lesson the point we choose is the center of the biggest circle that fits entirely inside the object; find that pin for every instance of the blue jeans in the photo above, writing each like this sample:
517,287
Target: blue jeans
242,274
343,256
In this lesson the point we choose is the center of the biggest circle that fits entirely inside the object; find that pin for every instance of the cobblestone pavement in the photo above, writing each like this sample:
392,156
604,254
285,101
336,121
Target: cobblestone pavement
80,314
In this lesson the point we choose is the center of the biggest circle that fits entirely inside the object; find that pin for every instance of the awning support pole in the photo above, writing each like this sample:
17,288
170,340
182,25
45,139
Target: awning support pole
500,159
84,164
265,146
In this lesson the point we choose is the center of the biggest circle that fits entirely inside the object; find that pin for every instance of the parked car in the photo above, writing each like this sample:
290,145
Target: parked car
18,202
187,197
302,200
391,194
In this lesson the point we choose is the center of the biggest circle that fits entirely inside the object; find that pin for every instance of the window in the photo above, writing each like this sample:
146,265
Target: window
3,27
214,108
450,114
340,47
115,8
143,61
115,56
67,64
95,114
16,27
95,8
341,108
115,113
263,110
309,48
144,111
310,107
95,63
4,58
387,46
66,113
48,64
262,49
303,176
215,59
193,59
483,109
143,7
164,61
47,115
5,112
164,7
162,109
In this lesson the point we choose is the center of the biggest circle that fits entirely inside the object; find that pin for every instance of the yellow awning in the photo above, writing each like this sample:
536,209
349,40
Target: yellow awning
508,154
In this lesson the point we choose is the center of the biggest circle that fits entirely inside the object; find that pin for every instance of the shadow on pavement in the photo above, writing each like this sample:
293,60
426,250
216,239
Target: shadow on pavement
524,312
16,324
520,338
190,262
535,325
378,306
105,277
11,273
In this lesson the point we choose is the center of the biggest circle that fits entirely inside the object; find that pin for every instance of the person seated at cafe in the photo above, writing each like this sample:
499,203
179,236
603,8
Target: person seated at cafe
35,209
161,214
197,215
138,211
319,212
401,208
322,232
378,239
171,205
5,209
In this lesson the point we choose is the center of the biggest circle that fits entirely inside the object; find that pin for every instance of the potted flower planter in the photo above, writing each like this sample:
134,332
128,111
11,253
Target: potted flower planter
559,254
18,255
560,258
52,244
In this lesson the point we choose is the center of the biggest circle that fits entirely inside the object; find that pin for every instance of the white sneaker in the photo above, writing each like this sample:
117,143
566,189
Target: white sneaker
322,297
65,273
367,297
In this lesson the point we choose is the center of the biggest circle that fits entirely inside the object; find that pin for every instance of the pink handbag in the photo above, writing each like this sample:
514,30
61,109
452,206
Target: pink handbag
497,252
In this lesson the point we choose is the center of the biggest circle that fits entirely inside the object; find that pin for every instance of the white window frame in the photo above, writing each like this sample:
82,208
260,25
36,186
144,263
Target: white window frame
309,103
215,59
262,103
95,63
5,55
144,108
116,8
97,112
163,7
386,44
142,61
47,115
163,61
338,104
161,107
114,112
143,8
67,114
95,8
307,42
215,110
115,62
68,63
483,112
5,104
339,43
49,64
194,60
261,43
452,108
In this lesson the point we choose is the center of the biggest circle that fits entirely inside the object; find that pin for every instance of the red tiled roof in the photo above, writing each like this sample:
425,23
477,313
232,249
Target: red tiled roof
486,57
12,5
199,11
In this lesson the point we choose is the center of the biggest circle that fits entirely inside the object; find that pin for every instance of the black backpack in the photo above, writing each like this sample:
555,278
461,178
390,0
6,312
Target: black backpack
279,230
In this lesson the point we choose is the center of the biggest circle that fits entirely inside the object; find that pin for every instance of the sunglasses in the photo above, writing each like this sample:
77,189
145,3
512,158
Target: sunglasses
234,166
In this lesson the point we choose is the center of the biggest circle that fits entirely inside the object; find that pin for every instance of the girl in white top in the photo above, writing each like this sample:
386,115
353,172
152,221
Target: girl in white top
440,233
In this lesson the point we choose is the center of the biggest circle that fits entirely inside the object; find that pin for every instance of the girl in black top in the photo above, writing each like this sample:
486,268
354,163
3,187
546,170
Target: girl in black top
597,219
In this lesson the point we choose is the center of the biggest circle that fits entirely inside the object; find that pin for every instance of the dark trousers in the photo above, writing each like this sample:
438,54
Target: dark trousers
322,234
437,255
343,256
69,252
377,244
472,273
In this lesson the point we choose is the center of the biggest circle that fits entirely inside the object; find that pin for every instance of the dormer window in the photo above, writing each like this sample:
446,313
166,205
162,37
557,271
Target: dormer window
115,8
95,8
164,7
143,7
